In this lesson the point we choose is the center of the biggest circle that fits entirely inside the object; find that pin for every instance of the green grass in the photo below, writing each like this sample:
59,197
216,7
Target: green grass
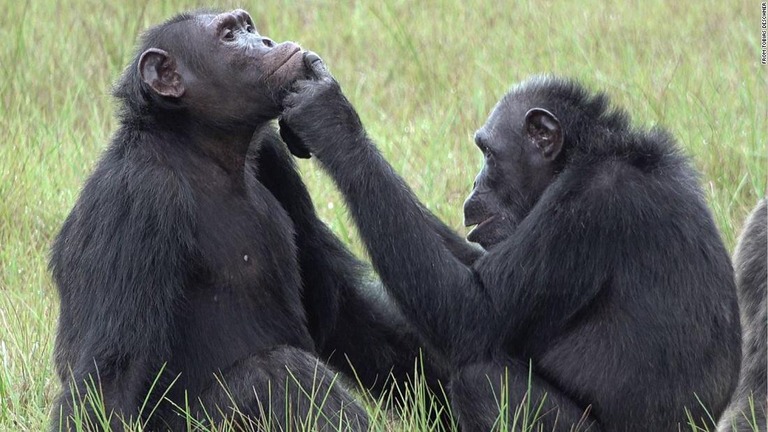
423,75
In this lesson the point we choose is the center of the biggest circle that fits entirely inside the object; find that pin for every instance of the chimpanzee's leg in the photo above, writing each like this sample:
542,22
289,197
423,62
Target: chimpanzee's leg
283,389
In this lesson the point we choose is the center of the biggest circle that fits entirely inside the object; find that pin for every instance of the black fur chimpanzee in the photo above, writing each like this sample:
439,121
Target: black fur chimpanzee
604,269
750,402
194,249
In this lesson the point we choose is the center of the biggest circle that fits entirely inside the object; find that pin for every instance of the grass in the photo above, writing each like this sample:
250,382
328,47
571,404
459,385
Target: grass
423,75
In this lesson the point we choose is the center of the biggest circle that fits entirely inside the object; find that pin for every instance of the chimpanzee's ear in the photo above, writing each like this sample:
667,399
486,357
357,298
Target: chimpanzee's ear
543,129
158,69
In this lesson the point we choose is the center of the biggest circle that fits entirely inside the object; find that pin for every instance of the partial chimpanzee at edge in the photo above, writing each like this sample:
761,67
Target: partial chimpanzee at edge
603,268
194,249
751,264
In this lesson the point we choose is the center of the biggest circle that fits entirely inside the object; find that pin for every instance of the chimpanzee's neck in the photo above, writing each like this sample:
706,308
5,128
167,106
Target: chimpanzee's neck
227,148
226,151
223,145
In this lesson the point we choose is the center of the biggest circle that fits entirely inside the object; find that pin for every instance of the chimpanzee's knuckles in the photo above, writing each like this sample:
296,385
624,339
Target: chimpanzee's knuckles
325,89
310,93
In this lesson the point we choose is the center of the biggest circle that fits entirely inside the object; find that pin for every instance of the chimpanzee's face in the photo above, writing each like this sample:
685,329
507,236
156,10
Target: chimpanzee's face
520,142
222,70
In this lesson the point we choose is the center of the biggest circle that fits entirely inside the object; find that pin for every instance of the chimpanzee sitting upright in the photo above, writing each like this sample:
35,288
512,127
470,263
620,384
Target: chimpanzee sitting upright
194,249
750,401
604,268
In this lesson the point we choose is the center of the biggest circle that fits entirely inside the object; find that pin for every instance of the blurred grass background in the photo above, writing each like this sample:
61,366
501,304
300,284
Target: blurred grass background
423,75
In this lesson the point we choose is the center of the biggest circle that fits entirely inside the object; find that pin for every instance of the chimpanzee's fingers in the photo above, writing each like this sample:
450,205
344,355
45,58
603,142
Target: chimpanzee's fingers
315,65
295,146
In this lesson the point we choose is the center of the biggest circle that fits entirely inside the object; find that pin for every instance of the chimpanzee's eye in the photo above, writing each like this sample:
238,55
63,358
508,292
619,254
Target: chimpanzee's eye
228,35
250,29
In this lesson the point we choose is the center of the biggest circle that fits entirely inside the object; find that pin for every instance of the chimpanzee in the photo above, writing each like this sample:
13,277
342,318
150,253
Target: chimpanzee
605,288
193,271
751,264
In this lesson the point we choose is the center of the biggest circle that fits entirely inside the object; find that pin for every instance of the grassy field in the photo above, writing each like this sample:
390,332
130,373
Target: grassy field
423,75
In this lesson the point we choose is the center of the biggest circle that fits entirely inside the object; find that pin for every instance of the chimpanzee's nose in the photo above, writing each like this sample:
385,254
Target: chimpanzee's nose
269,43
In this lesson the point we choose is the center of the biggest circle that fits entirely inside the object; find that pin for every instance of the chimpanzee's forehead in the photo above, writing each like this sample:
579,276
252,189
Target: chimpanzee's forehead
207,19
216,18
211,22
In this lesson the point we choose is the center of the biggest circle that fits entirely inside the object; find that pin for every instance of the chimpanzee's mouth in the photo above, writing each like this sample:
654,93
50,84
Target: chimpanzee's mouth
292,53
477,222
478,226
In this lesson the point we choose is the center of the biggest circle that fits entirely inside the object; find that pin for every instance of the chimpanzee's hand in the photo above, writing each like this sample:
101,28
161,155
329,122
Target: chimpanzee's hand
317,114
295,146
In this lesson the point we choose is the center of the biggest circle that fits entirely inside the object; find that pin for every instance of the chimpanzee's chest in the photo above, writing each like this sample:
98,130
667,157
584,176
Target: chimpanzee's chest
247,246
245,294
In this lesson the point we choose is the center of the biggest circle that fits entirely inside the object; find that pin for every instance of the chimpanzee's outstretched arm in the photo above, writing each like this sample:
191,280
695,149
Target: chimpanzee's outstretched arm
438,292
464,251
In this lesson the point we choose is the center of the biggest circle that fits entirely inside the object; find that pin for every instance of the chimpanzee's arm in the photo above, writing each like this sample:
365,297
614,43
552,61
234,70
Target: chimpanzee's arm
464,251
558,259
349,316
441,295
119,264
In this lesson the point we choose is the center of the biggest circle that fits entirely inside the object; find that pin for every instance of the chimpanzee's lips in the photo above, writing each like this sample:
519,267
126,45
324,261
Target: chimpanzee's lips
292,49
479,225
478,220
